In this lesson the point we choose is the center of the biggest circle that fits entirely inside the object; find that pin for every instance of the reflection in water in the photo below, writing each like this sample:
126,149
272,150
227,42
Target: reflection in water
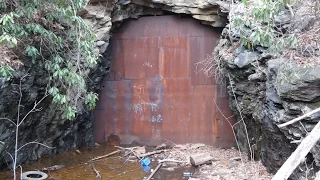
77,168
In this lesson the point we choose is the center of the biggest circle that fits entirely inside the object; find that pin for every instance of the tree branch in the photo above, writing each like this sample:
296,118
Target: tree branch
299,118
33,109
34,142
8,120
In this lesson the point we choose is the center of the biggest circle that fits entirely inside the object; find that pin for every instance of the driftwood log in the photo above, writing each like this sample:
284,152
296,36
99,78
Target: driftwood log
299,154
199,159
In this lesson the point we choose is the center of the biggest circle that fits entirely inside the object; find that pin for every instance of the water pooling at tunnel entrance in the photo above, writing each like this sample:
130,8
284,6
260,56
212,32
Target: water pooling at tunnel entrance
75,166
154,90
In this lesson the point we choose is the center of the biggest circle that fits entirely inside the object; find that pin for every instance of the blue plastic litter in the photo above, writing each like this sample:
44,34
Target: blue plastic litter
187,174
146,168
145,162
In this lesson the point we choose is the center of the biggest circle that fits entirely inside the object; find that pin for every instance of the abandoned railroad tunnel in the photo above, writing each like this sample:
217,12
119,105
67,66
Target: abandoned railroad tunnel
155,90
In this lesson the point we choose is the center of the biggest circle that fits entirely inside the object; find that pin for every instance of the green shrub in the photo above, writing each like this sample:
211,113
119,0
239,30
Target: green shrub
52,35
255,23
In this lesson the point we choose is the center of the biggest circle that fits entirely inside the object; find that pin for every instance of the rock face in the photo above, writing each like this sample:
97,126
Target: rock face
46,126
268,92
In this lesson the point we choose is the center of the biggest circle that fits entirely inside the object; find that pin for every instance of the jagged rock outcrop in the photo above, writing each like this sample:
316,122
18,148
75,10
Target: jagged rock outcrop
265,92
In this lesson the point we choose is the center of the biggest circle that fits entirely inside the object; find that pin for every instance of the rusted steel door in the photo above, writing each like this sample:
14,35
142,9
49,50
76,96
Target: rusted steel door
154,92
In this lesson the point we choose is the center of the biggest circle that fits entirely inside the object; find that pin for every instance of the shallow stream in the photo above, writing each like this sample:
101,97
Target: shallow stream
114,167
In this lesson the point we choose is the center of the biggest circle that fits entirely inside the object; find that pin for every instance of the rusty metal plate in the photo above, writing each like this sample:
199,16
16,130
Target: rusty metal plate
173,62
154,94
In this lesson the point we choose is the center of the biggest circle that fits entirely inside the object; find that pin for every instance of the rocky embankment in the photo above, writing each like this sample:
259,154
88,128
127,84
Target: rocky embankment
265,92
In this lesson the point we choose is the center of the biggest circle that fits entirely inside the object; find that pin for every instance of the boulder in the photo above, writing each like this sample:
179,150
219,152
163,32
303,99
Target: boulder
246,58
298,83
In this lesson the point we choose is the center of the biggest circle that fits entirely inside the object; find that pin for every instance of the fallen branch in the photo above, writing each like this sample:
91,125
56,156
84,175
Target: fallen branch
154,172
151,153
131,150
171,160
104,156
299,118
299,154
95,171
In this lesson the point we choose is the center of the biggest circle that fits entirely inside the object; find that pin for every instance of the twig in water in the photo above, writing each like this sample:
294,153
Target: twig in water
131,151
95,171
104,156
154,172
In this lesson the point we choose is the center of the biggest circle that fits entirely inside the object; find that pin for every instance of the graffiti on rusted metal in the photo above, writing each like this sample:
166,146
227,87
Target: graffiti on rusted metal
154,92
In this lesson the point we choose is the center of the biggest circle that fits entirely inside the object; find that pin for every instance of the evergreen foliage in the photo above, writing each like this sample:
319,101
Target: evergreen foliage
255,23
53,36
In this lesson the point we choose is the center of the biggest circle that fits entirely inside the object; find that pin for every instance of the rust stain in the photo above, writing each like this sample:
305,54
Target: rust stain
154,93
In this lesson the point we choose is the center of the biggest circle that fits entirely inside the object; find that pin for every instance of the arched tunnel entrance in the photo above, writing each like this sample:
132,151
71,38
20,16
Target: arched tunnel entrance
154,92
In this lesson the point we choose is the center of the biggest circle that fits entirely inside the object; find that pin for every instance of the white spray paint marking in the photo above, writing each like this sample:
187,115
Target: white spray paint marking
157,118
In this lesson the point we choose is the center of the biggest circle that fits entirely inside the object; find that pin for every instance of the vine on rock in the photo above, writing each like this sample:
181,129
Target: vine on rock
54,37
